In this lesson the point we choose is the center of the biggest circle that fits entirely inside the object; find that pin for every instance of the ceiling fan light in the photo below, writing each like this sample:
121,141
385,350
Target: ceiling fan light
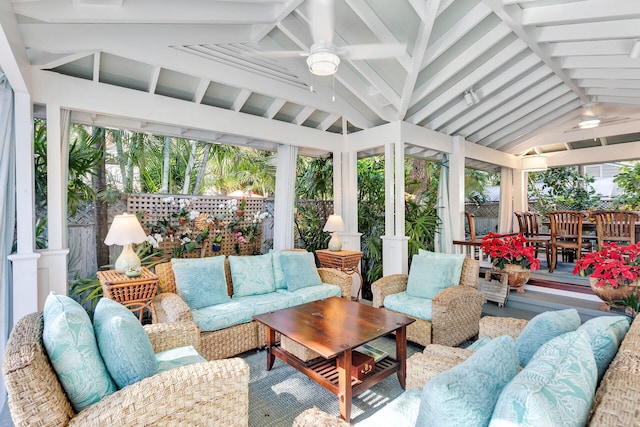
588,123
323,63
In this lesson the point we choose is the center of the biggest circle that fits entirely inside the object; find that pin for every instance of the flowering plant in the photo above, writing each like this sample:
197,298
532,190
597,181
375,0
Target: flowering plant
509,250
612,265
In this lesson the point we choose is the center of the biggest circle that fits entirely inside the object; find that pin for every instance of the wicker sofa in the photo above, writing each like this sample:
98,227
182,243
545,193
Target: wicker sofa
235,339
456,310
211,393
616,398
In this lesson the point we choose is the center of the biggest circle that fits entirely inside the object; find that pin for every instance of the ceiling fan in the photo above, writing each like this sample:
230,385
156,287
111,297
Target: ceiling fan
591,116
323,57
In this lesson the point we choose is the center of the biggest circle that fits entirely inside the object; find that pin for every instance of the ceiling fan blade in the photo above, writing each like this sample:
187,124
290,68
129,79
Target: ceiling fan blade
278,53
372,51
321,17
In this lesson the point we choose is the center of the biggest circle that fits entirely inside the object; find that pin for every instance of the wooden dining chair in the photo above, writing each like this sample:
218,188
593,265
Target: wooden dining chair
531,230
566,235
615,226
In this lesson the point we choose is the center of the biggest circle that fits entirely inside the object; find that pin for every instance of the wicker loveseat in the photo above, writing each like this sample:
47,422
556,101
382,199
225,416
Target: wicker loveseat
211,393
236,338
615,402
456,310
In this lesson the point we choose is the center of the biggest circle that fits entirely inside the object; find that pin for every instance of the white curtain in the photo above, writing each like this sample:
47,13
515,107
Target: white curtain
444,236
506,200
7,212
284,197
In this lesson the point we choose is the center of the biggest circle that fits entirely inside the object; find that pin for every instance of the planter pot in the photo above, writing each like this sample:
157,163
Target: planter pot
516,276
182,220
216,247
609,294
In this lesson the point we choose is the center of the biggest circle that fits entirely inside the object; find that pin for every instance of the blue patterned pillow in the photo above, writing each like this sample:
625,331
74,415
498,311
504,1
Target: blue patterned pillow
429,276
123,343
297,269
556,388
466,394
605,334
71,345
458,258
544,327
201,282
252,275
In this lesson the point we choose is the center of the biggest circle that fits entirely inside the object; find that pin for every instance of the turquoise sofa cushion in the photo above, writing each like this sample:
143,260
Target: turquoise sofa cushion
177,357
123,343
402,302
315,293
252,275
556,388
296,269
201,282
544,327
73,351
222,316
605,335
269,302
401,411
466,394
479,343
457,258
429,276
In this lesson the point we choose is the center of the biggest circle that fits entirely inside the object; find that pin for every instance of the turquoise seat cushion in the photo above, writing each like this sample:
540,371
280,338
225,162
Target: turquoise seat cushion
605,334
177,357
402,302
479,343
466,394
252,275
458,258
73,351
544,327
429,276
269,302
315,293
295,269
221,316
401,411
123,343
201,282
556,388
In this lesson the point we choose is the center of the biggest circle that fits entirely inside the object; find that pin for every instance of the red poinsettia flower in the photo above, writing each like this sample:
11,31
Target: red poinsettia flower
612,265
510,249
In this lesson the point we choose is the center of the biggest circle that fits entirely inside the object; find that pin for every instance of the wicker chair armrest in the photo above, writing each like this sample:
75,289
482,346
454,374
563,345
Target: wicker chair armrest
171,308
333,276
388,285
455,316
422,367
470,272
314,417
167,280
164,336
209,393
497,326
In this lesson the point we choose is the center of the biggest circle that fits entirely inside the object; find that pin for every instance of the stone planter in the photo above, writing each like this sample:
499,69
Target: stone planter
516,276
609,294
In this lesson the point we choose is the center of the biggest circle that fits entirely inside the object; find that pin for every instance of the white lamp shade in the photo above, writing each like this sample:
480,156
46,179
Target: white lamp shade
323,63
534,163
125,229
334,223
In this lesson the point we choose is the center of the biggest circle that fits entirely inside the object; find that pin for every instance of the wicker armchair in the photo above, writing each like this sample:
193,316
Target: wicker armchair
456,310
212,393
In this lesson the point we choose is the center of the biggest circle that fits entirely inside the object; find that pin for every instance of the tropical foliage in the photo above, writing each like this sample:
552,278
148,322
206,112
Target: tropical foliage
562,188
628,180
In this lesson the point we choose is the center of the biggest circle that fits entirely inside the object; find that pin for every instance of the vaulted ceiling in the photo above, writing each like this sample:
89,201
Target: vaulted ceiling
535,67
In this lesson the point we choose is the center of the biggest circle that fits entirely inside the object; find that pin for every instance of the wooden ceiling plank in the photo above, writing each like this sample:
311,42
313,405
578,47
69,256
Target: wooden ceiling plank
201,90
580,11
623,28
273,109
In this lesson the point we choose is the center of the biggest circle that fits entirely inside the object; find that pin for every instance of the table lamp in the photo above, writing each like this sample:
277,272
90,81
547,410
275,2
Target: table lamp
333,225
125,230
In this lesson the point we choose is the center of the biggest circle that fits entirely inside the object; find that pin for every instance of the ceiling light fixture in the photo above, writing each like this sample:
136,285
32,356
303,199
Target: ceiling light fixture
534,163
471,98
635,49
323,62
588,122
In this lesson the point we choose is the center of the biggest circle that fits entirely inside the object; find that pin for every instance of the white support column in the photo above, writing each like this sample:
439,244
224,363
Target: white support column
394,243
349,184
456,187
25,260
284,197
520,194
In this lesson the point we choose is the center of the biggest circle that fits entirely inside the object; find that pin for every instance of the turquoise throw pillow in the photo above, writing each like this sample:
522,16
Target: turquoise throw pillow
71,345
297,268
430,276
252,275
466,394
605,334
556,388
457,258
177,357
544,327
201,282
123,343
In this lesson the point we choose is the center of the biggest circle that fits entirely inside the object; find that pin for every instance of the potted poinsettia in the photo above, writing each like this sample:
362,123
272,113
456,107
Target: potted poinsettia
510,254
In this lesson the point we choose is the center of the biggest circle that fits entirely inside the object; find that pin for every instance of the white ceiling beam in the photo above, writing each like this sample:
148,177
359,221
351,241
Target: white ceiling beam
328,121
599,73
538,137
201,90
621,93
240,100
420,7
512,16
153,79
149,12
287,7
465,58
617,83
273,109
592,155
600,61
303,115
591,47
626,28
62,38
13,58
580,11
46,60
96,66
618,100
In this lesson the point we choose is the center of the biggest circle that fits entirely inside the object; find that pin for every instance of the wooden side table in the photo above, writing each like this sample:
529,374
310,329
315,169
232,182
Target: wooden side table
136,293
347,261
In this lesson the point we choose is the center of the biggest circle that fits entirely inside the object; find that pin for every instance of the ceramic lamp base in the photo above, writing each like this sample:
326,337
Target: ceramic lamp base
128,260
335,244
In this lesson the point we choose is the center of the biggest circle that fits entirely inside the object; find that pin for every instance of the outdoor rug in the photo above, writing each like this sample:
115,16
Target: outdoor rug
276,397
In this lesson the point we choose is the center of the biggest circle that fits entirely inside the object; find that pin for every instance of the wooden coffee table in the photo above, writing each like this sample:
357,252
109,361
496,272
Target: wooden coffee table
333,327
